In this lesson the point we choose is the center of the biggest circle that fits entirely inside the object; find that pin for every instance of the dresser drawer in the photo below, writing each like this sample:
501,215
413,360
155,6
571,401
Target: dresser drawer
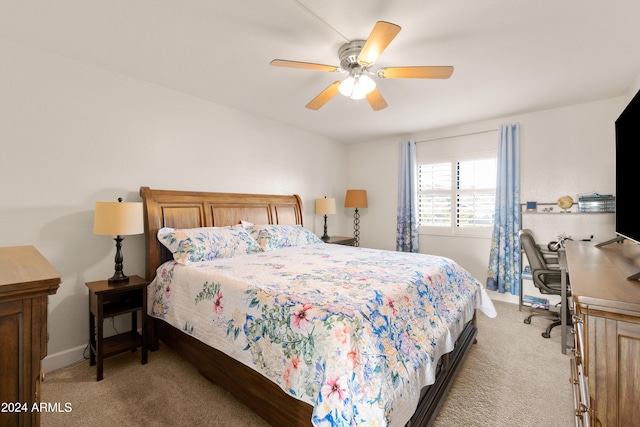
580,394
578,379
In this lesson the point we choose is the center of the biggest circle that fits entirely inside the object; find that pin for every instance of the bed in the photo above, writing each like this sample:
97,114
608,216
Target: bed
286,287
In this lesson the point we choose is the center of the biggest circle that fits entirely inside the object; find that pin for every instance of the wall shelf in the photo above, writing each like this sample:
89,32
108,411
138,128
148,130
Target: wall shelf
554,209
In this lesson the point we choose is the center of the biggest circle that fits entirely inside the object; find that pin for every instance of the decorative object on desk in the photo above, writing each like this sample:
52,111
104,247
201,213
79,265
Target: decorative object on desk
565,202
118,219
356,199
532,206
325,207
556,245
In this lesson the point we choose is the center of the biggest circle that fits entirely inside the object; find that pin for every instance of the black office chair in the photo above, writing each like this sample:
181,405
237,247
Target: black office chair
546,275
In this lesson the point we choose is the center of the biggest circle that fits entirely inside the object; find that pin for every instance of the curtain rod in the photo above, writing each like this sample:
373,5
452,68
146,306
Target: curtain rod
456,136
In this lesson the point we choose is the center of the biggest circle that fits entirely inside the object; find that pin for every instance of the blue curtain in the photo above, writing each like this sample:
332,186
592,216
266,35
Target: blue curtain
407,228
504,260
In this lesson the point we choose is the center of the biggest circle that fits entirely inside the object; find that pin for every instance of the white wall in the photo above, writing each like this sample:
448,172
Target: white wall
563,151
73,134
633,90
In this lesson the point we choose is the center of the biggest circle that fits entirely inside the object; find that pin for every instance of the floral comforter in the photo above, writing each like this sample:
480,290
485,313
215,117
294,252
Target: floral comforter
354,332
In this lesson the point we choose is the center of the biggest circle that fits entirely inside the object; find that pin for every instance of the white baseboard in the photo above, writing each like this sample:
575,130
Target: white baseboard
67,357
63,358
506,297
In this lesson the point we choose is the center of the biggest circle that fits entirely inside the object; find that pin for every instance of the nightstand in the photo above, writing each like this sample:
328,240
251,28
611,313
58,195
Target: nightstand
341,240
109,300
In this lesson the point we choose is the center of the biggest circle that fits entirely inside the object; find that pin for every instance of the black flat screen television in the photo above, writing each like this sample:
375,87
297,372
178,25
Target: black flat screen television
628,172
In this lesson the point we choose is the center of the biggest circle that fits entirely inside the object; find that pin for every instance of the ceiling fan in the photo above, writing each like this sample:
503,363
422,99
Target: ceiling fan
356,58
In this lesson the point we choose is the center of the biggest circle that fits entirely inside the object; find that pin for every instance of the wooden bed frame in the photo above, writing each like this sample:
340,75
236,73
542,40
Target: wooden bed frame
188,209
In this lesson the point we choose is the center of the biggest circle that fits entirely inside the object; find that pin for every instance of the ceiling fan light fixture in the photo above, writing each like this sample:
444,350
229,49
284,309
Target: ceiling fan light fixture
357,87
346,87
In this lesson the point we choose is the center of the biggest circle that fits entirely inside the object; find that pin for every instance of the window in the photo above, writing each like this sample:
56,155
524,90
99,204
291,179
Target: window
457,195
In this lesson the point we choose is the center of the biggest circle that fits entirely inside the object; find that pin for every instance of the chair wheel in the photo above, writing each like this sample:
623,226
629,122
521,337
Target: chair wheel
546,335
527,321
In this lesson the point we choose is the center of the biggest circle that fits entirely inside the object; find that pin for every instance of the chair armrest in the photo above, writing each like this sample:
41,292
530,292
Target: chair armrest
539,272
546,253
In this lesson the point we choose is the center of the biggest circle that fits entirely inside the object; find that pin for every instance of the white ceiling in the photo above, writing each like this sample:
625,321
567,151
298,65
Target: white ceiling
510,56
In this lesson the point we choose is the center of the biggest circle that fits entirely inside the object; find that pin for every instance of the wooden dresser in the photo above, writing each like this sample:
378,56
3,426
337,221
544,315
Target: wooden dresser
26,281
606,366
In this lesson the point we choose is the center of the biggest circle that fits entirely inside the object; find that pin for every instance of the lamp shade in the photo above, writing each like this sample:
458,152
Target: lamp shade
356,199
326,206
118,218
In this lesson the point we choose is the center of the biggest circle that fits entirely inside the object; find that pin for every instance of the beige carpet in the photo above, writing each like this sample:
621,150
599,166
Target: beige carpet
511,377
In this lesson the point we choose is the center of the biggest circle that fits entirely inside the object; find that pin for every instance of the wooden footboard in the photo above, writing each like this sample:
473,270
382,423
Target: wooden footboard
276,407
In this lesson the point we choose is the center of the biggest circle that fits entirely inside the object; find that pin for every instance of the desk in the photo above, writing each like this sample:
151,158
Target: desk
607,318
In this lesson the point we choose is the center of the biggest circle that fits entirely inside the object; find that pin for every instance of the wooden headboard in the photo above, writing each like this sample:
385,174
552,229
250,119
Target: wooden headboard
191,209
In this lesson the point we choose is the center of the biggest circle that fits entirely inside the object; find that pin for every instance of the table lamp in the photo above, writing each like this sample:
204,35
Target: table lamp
118,219
325,207
356,199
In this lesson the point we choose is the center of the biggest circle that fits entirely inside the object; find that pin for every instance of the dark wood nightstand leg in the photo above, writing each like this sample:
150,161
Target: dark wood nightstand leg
145,359
92,338
99,341
134,326
143,319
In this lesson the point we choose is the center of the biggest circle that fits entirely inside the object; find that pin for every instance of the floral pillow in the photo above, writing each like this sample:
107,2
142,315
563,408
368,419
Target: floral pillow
271,237
190,245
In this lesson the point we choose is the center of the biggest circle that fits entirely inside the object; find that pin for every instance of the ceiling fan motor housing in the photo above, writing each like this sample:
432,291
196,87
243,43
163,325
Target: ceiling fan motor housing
348,54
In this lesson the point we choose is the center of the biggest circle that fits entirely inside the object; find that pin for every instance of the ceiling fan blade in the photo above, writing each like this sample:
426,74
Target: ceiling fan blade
381,35
303,65
324,96
376,100
437,72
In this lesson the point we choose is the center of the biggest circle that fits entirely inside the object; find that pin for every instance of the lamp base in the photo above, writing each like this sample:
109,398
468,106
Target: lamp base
118,275
356,227
325,237
117,278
